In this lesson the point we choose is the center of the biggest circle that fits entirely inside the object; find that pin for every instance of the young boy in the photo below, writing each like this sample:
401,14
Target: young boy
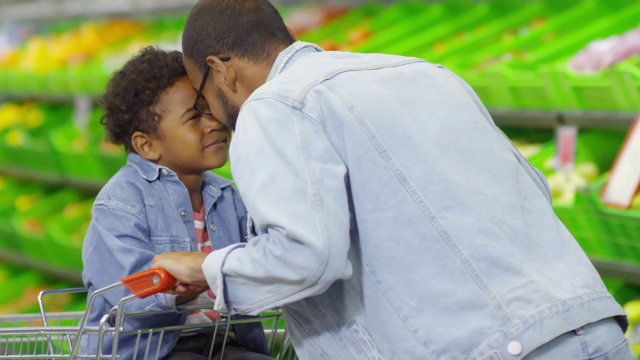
164,199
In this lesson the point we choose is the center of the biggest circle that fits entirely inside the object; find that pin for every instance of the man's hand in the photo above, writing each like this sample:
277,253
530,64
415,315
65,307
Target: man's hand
187,292
184,266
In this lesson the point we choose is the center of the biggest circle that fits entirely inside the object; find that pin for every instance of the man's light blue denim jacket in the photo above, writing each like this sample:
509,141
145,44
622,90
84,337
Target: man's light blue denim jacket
142,211
403,224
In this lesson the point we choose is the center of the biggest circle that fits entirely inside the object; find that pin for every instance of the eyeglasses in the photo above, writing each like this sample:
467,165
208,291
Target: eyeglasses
200,104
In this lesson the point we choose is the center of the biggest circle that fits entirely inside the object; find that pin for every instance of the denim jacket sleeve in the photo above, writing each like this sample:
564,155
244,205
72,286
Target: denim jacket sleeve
300,249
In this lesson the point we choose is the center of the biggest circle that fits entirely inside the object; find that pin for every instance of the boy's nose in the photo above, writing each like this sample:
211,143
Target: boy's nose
212,124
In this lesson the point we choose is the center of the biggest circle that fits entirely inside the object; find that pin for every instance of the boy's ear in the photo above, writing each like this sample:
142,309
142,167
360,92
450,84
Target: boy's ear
145,145
225,69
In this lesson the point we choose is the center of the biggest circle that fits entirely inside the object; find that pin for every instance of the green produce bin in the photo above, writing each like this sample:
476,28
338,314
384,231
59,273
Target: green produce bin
523,87
66,230
601,91
509,19
78,79
37,157
621,227
58,82
621,290
597,146
26,144
110,156
580,217
5,81
434,35
112,159
524,72
77,154
582,222
562,90
481,85
30,225
340,26
19,294
13,196
552,23
24,83
400,20
628,75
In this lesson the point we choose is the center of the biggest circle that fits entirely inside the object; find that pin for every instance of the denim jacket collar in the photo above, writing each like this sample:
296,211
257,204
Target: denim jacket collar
291,54
151,171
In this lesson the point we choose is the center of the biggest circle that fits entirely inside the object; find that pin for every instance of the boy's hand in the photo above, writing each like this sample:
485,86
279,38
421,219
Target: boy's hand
187,292
184,266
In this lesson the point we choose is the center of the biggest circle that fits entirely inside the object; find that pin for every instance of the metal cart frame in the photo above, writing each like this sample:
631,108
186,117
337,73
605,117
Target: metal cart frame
57,335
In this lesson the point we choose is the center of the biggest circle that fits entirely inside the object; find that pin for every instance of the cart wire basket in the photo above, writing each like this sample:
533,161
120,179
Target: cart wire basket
57,335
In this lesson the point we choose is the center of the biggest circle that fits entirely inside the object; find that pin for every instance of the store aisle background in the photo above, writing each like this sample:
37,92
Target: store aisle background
536,64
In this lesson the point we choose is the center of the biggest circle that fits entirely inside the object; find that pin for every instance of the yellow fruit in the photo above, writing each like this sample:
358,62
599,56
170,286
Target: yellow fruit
632,308
33,117
16,138
25,202
9,58
528,150
10,114
635,202
588,170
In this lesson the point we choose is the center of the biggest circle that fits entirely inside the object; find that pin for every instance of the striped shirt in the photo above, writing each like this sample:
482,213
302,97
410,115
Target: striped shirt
207,297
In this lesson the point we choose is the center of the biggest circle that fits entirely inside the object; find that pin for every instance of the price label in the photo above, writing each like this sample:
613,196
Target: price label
624,177
82,106
565,156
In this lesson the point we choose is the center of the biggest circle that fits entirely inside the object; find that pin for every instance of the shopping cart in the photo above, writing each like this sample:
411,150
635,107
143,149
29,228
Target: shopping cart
57,335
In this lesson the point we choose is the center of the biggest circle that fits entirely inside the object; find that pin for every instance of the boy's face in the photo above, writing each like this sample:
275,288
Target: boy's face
188,141
222,106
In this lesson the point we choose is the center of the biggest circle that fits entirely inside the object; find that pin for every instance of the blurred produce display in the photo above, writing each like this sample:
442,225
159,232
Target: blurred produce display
602,53
19,289
543,54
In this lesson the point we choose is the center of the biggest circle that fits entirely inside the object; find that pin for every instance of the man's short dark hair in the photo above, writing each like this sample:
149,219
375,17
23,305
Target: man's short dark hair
248,29
133,91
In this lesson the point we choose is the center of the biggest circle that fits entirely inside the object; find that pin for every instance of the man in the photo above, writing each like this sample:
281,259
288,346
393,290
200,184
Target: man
390,218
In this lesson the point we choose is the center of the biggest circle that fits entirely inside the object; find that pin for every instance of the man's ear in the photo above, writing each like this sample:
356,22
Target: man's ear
225,70
145,145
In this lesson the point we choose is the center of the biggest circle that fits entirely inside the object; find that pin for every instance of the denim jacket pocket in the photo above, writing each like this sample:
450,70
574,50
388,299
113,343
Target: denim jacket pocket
364,342
162,244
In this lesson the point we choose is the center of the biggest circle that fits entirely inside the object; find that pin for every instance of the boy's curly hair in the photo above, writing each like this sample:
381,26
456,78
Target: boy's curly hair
132,92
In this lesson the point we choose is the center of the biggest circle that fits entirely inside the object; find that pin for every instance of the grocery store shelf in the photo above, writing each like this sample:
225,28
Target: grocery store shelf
52,180
626,272
15,258
16,10
549,119
24,10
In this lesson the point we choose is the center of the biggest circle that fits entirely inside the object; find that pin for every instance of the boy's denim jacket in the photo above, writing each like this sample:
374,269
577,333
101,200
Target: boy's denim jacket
142,211
403,224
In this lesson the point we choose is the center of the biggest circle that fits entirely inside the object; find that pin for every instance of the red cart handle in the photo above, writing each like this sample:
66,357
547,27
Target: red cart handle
149,282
